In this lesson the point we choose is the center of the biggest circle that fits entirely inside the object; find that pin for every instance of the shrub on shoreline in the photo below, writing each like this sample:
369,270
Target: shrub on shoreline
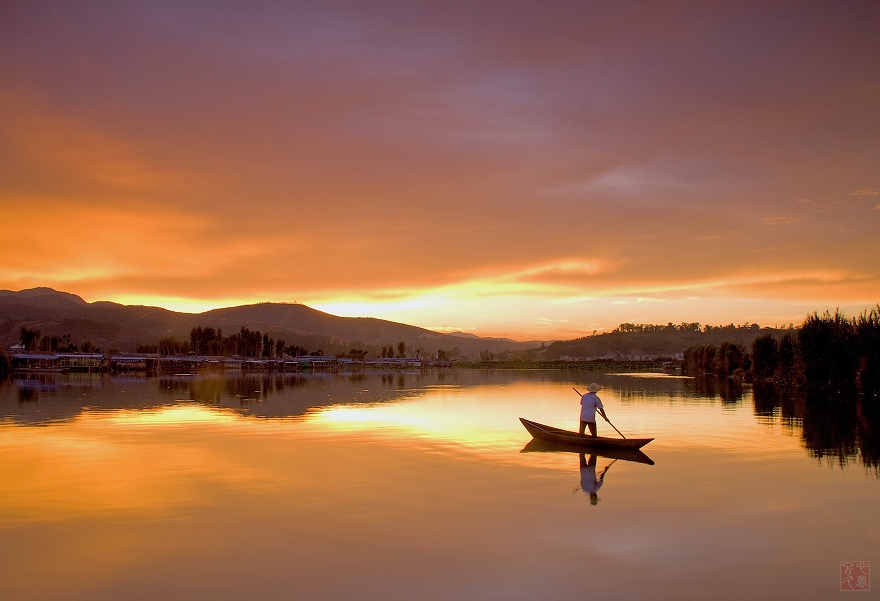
829,354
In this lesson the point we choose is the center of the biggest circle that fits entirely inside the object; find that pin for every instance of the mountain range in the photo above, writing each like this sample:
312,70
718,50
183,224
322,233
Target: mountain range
109,325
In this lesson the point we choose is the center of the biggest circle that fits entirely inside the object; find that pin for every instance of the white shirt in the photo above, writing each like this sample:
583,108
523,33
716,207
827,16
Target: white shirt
589,483
589,403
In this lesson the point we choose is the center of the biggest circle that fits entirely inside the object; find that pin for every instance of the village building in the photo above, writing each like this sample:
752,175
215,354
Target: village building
316,362
59,362
134,362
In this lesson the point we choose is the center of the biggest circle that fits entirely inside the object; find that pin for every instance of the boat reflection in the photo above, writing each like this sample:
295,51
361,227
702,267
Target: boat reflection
591,481
624,454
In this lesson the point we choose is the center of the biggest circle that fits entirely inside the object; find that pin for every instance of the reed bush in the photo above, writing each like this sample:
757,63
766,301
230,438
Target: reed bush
765,358
829,353
724,361
867,333
788,368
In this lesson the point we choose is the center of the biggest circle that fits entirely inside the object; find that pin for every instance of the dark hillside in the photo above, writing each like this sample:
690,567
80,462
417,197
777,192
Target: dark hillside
113,326
305,319
43,297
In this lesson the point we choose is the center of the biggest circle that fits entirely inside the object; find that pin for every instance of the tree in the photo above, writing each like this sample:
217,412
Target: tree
295,351
868,338
29,339
248,343
167,346
53,343
828,351
194,339
401,349
787,359
765,357
732,357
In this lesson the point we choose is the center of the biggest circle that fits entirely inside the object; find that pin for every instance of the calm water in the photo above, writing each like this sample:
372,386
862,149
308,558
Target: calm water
414,486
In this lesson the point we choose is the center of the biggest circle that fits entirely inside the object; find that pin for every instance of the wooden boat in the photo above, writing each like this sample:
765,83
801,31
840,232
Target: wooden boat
557,435
622,453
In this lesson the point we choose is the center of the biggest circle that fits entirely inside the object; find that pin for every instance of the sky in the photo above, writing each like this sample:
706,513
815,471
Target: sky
532,170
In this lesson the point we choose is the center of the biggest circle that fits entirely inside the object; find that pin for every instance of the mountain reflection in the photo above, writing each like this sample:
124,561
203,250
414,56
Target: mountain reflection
42,398
838,429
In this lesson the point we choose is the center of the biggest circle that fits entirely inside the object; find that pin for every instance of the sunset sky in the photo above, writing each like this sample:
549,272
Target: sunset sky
527,169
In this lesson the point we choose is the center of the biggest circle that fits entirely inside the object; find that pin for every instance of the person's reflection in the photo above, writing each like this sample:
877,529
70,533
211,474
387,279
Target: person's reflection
590,482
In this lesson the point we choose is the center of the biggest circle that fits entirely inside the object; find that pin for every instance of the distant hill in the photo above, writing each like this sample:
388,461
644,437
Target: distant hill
468,335
110,325
43,297
652,341
113,326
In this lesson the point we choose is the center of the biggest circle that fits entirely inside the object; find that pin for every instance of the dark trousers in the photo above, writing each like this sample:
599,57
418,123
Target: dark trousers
584,460
592,426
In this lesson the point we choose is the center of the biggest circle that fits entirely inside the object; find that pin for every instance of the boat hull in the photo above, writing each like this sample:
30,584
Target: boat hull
567,437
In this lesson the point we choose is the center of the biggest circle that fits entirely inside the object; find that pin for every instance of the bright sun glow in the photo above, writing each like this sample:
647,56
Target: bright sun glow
183,413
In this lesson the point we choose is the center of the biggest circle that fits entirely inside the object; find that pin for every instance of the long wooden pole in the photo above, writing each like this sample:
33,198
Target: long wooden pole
603,417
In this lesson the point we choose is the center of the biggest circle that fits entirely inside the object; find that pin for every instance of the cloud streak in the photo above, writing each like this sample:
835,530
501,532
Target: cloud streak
784,220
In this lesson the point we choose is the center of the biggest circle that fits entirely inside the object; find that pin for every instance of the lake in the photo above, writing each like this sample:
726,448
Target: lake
415,486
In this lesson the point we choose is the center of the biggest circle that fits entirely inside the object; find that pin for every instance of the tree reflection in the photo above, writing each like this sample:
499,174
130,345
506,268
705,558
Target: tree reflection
730,390
211,390
835,426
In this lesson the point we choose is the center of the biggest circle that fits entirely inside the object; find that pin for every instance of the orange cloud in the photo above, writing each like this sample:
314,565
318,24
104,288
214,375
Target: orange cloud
784,220
69,147
51,241
472,180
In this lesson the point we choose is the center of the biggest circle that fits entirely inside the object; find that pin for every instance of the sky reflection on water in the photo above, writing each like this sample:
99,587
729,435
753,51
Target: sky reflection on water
360,487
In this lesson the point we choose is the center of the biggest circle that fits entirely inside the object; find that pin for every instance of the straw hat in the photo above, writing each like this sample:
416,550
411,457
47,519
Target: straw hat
593,387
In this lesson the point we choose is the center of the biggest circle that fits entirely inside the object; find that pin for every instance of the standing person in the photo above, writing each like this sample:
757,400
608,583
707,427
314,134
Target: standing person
589,403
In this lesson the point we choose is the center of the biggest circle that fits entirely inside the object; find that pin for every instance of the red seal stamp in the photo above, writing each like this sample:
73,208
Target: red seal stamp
855,575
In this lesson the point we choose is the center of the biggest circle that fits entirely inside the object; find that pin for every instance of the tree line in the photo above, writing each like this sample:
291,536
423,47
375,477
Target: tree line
208,341
389,352
34,340
205,341
828,354
655,340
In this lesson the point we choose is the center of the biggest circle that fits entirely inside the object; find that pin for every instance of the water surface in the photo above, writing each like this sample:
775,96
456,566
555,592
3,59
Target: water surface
413,485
